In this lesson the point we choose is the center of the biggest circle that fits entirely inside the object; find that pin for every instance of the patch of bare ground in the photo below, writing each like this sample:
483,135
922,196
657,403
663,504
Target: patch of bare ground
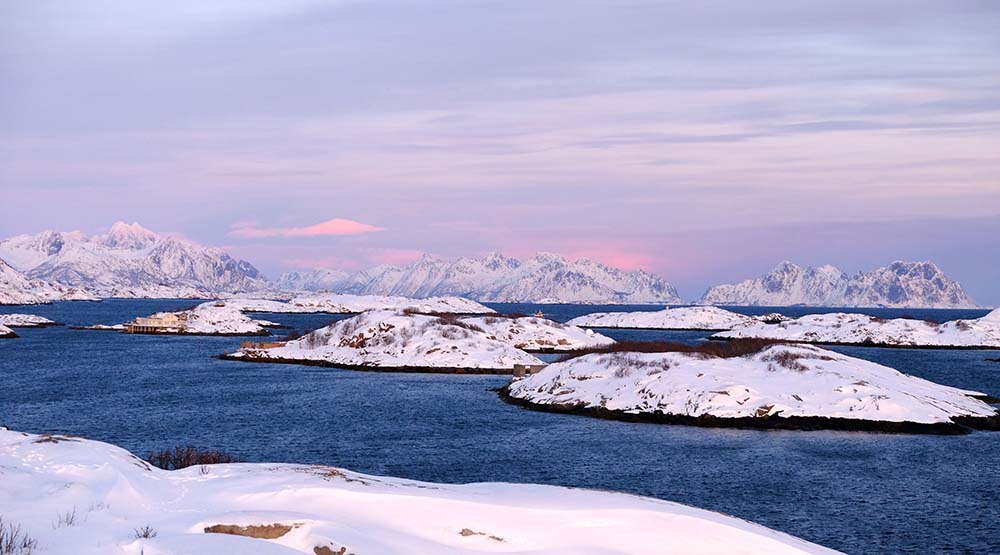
469,532
256,531
709,349
325,550
183,457
46,438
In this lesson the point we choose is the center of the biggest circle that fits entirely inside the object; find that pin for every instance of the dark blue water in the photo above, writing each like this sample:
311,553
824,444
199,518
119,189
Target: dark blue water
858,492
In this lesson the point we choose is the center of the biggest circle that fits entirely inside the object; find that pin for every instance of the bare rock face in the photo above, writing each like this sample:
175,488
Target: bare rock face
899,285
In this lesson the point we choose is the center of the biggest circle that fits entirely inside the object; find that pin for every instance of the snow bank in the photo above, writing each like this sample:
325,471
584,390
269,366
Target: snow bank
681,318
6,333
25,321
861,329
336,303
779,381
320,510
391,339
538,334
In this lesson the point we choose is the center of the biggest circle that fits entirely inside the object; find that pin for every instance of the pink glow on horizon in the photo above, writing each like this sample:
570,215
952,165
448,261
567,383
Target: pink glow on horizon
336,226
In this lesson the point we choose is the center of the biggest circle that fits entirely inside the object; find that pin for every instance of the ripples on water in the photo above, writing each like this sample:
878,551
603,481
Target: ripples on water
857,492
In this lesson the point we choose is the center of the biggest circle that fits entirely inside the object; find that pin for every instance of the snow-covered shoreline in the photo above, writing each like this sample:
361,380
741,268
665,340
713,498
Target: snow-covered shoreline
211,318
684,318
864,330
113,497
337,303
539,335
395,341
778,387
26,321
6,333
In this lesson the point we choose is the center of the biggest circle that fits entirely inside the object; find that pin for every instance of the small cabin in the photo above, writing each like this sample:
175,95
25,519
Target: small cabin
157,322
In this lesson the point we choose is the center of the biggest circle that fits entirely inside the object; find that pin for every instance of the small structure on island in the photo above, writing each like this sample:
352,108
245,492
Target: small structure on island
158,323
522,370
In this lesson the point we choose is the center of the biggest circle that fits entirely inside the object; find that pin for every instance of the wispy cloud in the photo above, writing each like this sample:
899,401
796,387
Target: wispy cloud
336,226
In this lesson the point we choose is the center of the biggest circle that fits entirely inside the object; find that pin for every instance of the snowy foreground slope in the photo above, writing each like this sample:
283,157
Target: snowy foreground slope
25,321
16,288
778,382
529,333
339,303
130,261
6,333
899,285
387,339
682,318
318,510
861,329
544,278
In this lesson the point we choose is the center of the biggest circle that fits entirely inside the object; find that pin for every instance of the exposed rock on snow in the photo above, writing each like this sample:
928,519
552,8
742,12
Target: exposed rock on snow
336,303
546,277
780,386
861,329
391,340
130,261
6,333
211,318
317,509
538,334
16,288
25,321
682,318
899,285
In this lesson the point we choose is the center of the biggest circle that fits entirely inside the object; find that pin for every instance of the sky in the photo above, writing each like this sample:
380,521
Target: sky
703,141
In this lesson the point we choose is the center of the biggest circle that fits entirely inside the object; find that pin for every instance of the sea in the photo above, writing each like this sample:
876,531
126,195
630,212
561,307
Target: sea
861,493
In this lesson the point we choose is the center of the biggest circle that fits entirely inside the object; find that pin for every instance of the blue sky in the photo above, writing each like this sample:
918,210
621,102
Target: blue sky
704,141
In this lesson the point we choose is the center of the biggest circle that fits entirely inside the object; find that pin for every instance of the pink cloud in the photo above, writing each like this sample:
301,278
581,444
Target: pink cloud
336,226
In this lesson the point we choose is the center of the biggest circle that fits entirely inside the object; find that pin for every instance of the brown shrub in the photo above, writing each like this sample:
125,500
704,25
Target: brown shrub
183,457
712,349
13,541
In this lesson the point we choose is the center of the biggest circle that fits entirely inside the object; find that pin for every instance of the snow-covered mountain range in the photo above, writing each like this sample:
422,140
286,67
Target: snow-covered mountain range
16,288
130,261
544,278
898,285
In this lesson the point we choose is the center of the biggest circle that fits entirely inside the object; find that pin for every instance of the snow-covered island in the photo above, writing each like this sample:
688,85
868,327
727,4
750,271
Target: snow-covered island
211,318
538,335
121,505
862,329
778,386
26,321
337,303
701,318
6,333
392,340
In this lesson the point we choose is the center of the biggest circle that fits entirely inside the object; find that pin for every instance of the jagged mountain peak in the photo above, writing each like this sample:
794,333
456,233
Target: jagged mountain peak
900,284
130,261
545,277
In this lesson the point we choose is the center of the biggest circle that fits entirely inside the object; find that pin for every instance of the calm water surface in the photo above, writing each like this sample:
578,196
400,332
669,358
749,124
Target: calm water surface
857,492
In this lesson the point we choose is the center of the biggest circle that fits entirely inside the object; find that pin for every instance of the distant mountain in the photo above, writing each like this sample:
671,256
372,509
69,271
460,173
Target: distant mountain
545,278
130,261
16,288
899,285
